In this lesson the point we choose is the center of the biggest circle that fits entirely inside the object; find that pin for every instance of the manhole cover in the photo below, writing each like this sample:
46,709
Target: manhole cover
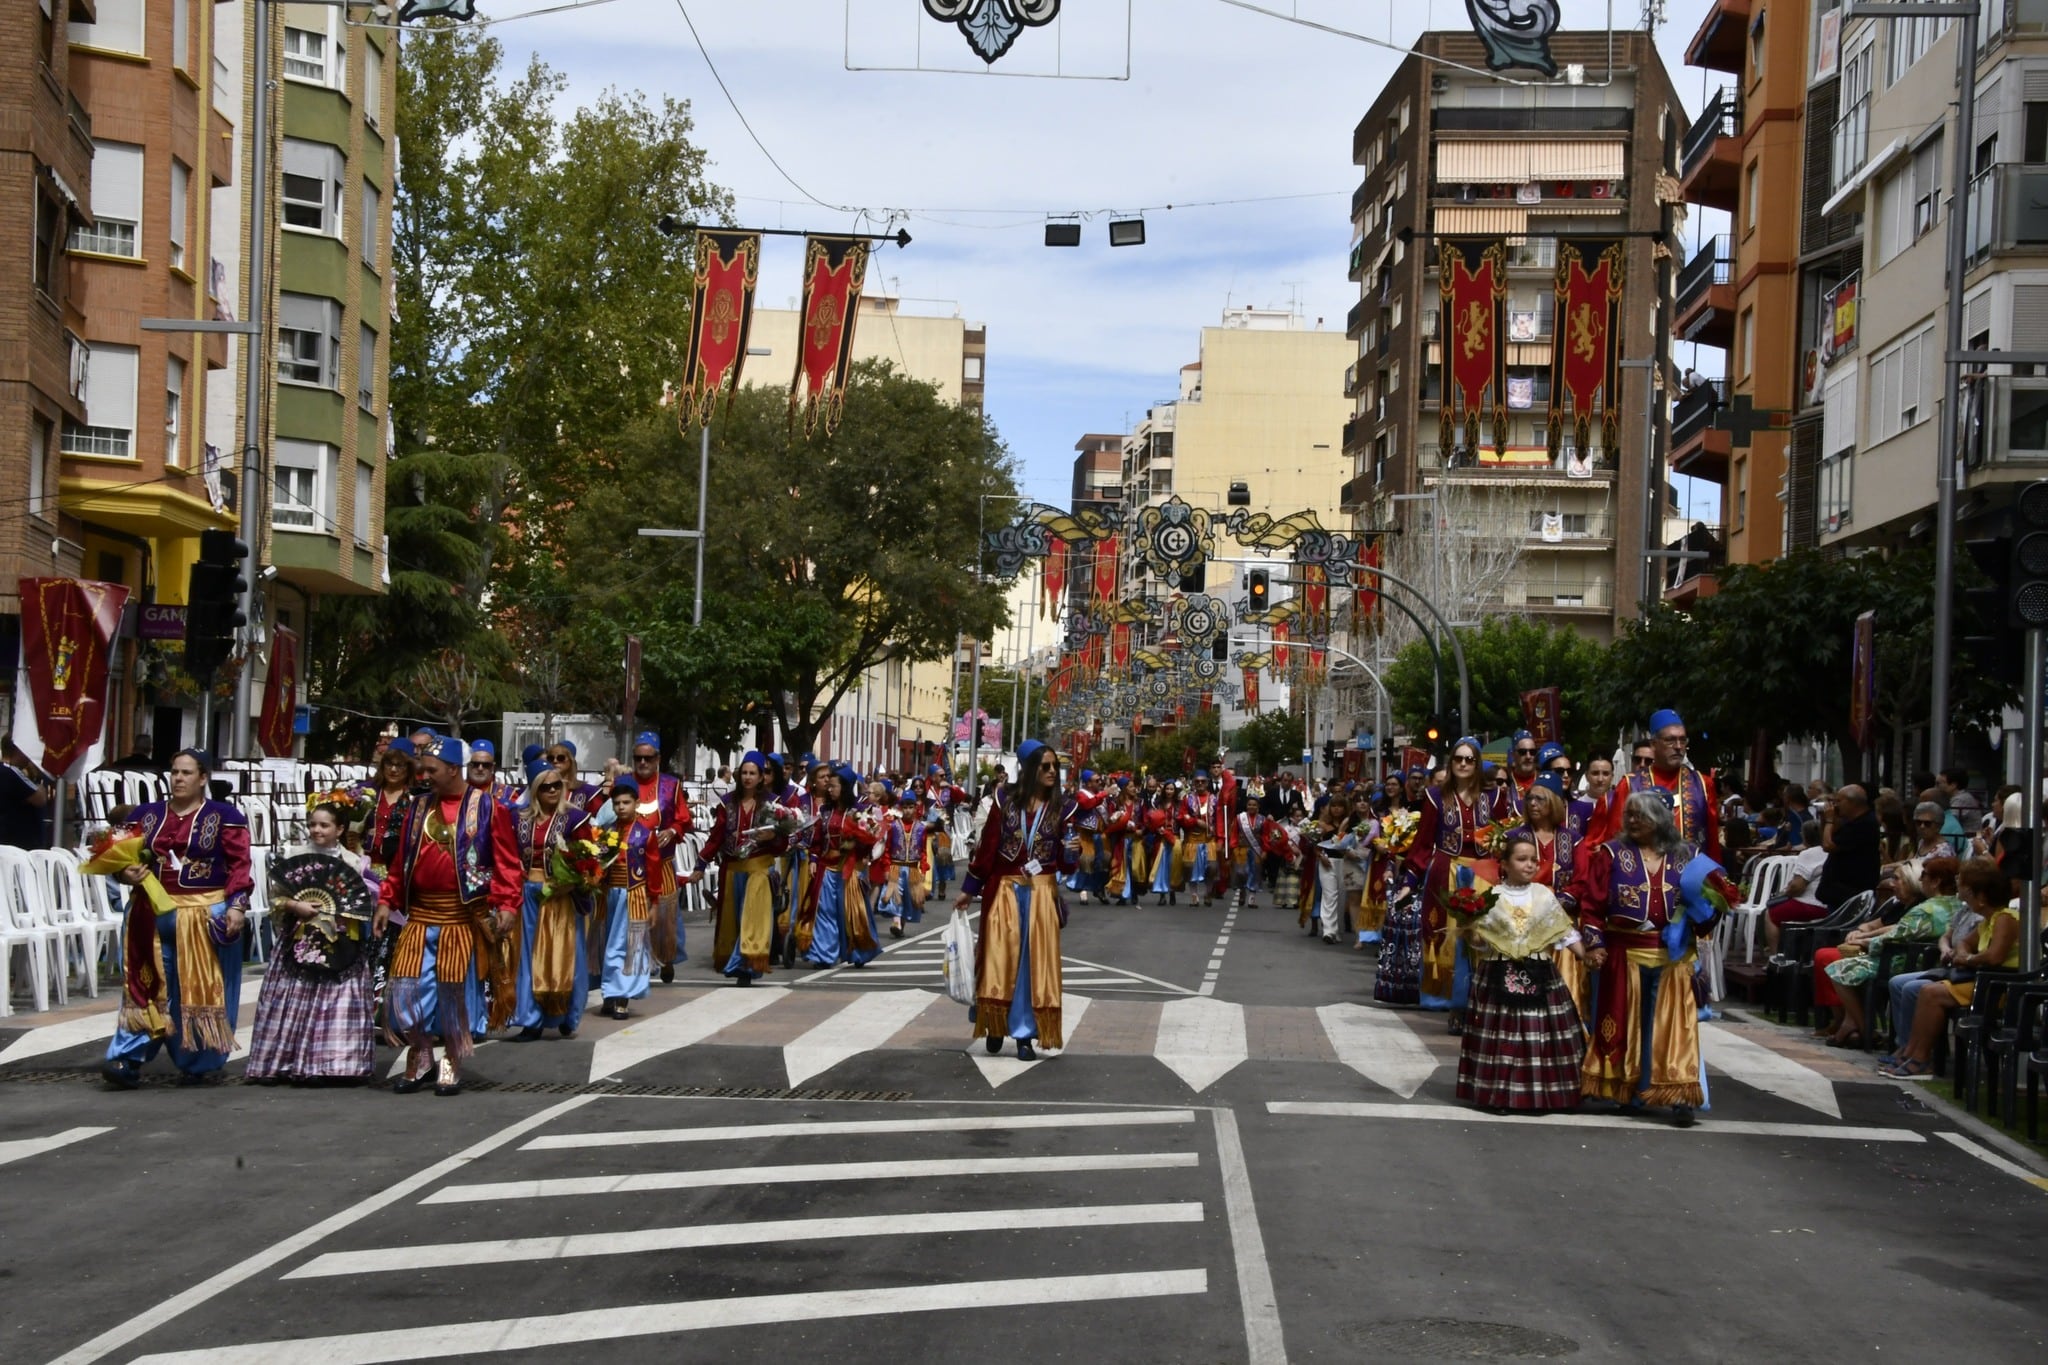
1455,1339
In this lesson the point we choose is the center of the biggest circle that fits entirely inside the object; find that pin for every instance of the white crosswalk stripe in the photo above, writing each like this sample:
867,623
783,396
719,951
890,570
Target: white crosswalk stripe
20,1149
1156,1243
1005,1067
920,960
864,1023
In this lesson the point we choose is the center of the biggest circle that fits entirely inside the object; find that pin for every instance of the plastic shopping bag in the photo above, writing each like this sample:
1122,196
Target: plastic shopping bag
959,941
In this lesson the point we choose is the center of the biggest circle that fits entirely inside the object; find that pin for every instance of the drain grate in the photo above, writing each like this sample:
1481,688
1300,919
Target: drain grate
1455,1339
687,1092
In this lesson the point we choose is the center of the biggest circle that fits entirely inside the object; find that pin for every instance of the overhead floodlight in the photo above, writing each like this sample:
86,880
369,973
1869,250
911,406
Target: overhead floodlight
1127,232
1063,234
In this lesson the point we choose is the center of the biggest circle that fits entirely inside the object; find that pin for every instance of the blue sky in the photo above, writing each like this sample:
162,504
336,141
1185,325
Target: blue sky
1220,104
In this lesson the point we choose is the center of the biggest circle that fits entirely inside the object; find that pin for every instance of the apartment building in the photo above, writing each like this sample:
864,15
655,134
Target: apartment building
1738,291
46,145
1881,384
1447,151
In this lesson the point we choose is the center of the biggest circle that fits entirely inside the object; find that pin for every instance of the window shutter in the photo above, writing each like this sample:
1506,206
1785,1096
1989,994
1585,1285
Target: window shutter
117,181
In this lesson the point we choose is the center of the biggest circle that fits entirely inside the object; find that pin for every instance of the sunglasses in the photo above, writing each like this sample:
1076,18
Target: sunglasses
560,758
548,787
646,758
1522,753
1461,758
481,763
1925,821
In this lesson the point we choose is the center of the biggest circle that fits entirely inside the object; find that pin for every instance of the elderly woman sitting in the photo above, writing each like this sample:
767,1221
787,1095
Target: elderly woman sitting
1993,945
1923,905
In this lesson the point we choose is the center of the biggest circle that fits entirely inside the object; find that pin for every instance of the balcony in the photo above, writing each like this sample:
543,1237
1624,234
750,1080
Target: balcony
1706,295
1722,35
1571,531
1688,571
2008,211
1355,432
1360,314
1565,599
1523,465
1711,154
1698,451
1357,267
1540,120
2007,435
1360,197
1356,495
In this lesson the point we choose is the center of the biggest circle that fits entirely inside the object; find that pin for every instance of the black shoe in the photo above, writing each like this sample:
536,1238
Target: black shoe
995,1043
896,929
446,1081
1682,1116
531,1033
121,1075
568,1030
412,1085
1161,898
1024,1052
1173,898
1457,1022
1329,938
743,979
668,972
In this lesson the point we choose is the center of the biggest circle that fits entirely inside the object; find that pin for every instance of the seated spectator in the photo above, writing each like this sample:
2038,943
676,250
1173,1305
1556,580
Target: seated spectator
1993,944
1922,911
1798,813
1954,785
1928,840
1801,901
1894,830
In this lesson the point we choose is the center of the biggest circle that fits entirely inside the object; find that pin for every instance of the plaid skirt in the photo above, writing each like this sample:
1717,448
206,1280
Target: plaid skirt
307,1029
1397,978
1523,1040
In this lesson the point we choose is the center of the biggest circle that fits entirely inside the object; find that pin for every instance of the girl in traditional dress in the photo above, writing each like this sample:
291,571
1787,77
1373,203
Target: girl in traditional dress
183,983
1159,844
1523,1037
1366,907
313,1020
1017,863
629,905
553,972
745,844
1592,809
884,872
1453,817
917,857
1545,819
837,928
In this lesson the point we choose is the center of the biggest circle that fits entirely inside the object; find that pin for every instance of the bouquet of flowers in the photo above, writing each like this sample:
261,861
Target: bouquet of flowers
1397,831
771,821
119,847
1467,903
1493,838
579,867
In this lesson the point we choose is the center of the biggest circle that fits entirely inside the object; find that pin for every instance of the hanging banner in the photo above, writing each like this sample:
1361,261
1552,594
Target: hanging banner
1543,714
1863,681
1365,597
1315,601
1585,363
1250,700
1105,576
1055,578
1413,758
721,315
60,691
1472,280
834,270
1318,666
1280,634
1120,647
280,695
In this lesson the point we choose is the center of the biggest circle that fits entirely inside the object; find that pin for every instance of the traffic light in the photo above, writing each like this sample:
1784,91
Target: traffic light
2027,578
1220,650
1196,579
1259,585
1433,732
1993,651
213,603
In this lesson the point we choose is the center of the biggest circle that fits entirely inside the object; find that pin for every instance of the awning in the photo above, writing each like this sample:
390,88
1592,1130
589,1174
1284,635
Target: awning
1490,221
1854,184
1518,163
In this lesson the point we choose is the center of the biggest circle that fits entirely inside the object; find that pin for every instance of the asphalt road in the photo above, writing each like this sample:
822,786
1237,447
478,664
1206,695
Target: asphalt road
820,1166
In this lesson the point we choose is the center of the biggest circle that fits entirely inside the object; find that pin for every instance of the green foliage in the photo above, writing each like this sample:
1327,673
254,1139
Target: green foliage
1166,752
1507,656
1113,760
1271,740
1000,691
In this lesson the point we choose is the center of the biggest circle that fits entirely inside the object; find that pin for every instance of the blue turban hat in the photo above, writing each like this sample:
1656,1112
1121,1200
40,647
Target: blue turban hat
649,738
537,765
1550,753
754,757
485,748
1552,781
448,750
567,746
402,745
1664,720
530,753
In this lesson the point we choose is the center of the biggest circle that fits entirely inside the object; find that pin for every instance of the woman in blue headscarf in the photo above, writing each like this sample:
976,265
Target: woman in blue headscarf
1022,853
836,928
746,844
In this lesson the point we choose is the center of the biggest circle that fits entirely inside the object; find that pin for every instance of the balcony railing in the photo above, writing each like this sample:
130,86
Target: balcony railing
2008,209
1355,429
1565,596
1430,459
1542,120
1356,493
1712,264
1721,118
1696,409
2009,423
1355,320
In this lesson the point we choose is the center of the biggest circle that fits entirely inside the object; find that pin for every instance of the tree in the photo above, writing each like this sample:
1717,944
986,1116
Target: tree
1165,752
1507,656
1114,760
826,555
1271,739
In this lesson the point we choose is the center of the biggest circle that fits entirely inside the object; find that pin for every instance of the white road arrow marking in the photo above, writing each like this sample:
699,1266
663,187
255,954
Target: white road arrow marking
1755,1065
1005,1066
1201,1039
1378,1045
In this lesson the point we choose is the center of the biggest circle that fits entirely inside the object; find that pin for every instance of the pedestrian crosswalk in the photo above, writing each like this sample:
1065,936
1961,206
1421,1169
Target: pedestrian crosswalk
814,1235
920,960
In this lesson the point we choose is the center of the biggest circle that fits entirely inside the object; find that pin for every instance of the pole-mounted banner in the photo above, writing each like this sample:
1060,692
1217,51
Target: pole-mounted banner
834,270
280,695
721,315
67,634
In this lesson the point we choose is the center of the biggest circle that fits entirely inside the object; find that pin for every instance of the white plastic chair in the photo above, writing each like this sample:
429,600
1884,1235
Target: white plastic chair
1767,882
65,899
259,903
23,924
103,906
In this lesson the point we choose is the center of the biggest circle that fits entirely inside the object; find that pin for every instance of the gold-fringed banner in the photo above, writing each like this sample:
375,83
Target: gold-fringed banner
721,315
1585,362
834,270
1473,285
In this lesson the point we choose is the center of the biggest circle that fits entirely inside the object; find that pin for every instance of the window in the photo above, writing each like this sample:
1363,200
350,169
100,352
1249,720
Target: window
309,340
181,34
312,186
2034,132
109,427
49,229
1569,523
118,28
1740,510
366,479
305,55
373,83
367,230
366,369
1394,377
38,466
174,406
181,195
1745,341
1751,193
1898,386
970,369
1852,130
1926,169
299,495
1908,43
116,202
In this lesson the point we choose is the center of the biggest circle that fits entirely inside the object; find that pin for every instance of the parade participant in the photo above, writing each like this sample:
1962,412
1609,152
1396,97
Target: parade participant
915,870
386,801
313,1020
554,969
836,928
586,796
1121,821
182,964
1246,850
1224,785
482,769
1196,868
1322,910
663,810
1162,848
1283,862
1695,807
1015,873
1084,810
1366,906
1645,1038
1453,817
630,907
1592,810
1544,821
745,842
1520,773
457,865
885,862
1523,1038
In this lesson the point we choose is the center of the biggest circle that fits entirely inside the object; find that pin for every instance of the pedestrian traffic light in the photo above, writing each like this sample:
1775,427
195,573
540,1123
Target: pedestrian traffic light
2027,578
1220,650
1259,585
213,603
1195,579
